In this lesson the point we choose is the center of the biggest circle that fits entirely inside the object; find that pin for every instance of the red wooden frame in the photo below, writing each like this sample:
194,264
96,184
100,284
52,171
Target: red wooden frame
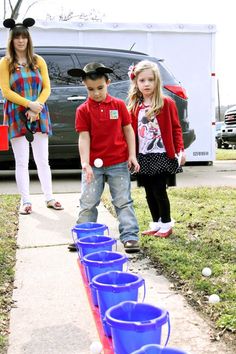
106,341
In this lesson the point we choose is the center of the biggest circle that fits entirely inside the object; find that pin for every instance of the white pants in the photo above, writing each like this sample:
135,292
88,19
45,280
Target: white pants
21,151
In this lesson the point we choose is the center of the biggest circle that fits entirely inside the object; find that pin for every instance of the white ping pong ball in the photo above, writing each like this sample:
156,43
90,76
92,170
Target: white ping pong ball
98,163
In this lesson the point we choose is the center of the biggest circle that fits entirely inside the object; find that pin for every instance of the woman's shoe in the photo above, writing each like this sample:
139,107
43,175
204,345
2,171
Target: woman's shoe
26,209
72,247
54,205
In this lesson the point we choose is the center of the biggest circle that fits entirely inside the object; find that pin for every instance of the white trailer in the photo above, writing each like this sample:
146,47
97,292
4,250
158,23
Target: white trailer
188,51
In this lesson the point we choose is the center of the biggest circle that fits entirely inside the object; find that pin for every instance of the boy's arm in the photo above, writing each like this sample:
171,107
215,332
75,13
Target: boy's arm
84,151
130,139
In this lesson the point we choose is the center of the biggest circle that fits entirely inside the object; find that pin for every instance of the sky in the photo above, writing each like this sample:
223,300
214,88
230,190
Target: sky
219,13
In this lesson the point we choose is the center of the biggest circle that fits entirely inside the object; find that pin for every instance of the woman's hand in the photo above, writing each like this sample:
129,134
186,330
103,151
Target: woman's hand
31,116
35,106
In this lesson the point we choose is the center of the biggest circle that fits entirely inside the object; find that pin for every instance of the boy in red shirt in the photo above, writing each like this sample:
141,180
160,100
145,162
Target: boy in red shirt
106,140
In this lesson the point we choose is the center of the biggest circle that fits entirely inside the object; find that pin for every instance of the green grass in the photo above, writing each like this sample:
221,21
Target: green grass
8,230
225,154
204,236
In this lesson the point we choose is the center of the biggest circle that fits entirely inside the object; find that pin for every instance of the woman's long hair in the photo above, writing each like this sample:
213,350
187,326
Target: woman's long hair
11,54
135,96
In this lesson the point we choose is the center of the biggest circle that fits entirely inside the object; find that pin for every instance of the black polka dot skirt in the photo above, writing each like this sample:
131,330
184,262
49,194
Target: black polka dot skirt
155,164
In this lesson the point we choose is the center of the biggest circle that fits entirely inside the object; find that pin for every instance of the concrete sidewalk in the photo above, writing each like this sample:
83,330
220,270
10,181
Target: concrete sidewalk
51,313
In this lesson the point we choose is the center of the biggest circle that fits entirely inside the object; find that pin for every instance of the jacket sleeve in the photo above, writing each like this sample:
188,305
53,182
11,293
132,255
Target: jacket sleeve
134,122
176,127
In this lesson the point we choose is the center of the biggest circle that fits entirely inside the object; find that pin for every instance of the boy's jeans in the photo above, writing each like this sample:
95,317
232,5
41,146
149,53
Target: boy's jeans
118,179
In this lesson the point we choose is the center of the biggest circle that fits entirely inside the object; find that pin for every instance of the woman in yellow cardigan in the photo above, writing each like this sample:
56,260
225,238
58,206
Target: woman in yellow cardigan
25,85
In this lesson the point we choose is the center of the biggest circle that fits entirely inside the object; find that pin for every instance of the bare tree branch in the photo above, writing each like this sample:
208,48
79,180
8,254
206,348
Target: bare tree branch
92,15
9,1
33,3
16,9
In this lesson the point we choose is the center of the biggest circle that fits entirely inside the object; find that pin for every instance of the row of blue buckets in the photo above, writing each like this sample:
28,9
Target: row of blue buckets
135,327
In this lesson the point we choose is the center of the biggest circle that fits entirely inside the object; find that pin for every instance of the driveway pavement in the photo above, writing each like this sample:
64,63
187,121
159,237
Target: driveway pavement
221,173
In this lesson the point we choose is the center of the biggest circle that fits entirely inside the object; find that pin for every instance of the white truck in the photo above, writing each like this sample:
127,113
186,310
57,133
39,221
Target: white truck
228,130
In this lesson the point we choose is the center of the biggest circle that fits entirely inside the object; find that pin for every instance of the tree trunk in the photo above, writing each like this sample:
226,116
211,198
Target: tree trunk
15,10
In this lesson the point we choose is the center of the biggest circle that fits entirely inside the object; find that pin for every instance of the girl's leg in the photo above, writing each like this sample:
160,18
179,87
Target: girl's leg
159,188
161,196
159,205
40,153
151,200
20,147
157,197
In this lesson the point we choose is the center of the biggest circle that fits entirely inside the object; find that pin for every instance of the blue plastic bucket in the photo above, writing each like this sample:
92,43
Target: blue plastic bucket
95,243
112,288
134,324
88,229
102,262
157,349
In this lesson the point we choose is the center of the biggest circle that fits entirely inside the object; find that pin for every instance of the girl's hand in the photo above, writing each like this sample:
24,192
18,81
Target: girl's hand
181,158
133,164
35,106
87,169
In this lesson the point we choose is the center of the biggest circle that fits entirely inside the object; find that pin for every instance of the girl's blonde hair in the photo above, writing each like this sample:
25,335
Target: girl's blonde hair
135,96
11,54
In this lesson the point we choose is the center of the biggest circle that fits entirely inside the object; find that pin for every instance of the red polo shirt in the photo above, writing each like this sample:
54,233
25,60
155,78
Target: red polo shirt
104,122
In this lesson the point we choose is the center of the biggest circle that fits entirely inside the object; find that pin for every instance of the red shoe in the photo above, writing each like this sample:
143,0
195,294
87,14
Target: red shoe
164,233
154,227
149,232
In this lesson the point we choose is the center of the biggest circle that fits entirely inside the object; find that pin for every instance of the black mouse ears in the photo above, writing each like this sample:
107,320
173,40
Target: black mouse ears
10,23
89,69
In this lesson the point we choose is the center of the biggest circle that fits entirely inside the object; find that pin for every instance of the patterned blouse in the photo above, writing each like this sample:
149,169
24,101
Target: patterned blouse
26,83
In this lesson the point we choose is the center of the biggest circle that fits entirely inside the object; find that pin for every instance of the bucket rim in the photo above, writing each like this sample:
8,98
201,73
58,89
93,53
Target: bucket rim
136,325
122,258
107,239
117,287
163,350
82,226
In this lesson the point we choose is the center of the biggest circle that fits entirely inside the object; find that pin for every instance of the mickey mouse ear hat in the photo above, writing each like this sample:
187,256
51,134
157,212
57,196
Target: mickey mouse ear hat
10,23
89,69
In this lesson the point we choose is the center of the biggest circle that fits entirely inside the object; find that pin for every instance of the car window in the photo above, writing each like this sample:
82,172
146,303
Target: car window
57,69
118,64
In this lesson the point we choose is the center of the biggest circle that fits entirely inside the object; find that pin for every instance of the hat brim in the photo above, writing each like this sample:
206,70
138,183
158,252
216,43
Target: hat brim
82,73
103,70
76,72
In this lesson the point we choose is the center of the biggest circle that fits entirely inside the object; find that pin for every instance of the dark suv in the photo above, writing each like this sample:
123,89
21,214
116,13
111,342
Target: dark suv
67,92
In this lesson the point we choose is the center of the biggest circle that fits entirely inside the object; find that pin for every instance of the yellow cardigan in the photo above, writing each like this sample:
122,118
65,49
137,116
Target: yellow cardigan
14,97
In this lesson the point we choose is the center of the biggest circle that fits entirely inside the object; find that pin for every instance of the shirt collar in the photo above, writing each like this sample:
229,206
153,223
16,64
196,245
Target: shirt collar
107,100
